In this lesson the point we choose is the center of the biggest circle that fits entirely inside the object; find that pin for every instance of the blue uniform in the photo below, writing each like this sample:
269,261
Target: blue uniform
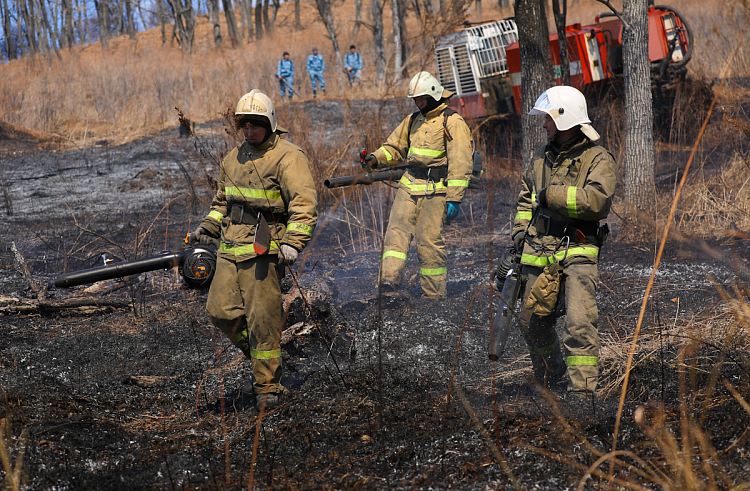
286,69
316,65
353,61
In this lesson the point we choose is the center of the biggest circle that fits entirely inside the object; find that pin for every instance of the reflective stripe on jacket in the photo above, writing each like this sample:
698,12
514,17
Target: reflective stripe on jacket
316,63
426,145
271,178
580,186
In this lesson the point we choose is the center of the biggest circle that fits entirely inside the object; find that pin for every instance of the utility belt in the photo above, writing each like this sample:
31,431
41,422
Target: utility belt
242,214
546,225
432,173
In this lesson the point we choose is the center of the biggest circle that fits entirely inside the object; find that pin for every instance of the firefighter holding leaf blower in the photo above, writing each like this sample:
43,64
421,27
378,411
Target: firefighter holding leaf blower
264,213
567,190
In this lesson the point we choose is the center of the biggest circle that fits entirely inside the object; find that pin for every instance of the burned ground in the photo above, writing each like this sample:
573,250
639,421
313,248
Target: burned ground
147,396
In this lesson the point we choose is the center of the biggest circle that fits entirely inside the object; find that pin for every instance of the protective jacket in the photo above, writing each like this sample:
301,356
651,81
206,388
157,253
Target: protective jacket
435,143
272,179
353,61
285,68
316,63
580,183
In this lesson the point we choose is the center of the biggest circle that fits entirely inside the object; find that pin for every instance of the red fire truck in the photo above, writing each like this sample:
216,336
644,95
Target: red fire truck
481,63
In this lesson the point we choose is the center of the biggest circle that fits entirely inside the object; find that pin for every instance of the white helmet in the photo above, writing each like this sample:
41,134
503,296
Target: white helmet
256,103
567,107
423,83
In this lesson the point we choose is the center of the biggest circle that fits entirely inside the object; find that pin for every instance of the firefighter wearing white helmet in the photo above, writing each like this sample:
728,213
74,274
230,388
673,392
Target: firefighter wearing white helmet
566,193
264,213
436,144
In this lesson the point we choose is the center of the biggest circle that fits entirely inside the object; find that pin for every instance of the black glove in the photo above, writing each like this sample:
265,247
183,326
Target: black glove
370,162
200,237
518,241
506,262
541,198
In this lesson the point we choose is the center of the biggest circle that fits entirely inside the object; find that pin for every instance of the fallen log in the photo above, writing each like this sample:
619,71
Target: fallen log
10,305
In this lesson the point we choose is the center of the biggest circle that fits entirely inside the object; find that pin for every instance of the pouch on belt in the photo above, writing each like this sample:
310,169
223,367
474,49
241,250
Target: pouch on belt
544,293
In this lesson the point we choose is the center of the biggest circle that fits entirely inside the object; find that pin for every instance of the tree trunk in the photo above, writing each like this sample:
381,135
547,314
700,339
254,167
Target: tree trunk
162,21
213,17
324,9
560,16
234,35
298,23
184,25
397,60
357,19
402,13
428,7
266,20
377,39
258,19
275,12
68,38
243,18
102,18
639,134
536,70
478,4
130,23
248,6
10,45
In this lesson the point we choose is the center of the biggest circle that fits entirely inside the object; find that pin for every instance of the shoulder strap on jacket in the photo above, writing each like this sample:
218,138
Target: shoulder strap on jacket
447,134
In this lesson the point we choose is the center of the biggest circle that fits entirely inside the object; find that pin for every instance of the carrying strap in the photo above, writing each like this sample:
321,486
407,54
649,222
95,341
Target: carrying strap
446,134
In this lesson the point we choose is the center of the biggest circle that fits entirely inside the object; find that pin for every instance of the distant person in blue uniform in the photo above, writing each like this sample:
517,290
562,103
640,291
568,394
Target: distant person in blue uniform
316,65
285,74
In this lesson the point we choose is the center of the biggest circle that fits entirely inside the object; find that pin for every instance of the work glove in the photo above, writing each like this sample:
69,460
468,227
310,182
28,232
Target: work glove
287,255
541,198
451,209
506,262
200,237
370,162
518,241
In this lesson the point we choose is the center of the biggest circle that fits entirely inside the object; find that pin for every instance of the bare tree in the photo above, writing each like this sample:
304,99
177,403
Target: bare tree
357,19
266,19
639,119
10,45
478,5
377,39
298,23
102,17
162,20
324,9
184,24
258,19
245,24
213,17
129,21
232,31
536,69
562,38
68,38
397,59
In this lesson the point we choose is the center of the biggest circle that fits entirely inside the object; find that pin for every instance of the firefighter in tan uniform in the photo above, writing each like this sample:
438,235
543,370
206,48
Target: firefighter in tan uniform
264,212
567,190
436,144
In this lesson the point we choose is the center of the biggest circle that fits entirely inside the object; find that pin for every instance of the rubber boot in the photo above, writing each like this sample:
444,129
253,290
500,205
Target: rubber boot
549,369
315,94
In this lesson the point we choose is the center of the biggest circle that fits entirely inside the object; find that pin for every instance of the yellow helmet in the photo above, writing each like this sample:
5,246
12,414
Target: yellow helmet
424,83
256,103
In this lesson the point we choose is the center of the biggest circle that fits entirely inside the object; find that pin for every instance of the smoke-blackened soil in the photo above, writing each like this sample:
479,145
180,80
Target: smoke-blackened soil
128,386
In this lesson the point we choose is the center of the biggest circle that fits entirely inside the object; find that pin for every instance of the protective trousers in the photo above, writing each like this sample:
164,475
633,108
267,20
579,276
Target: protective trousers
580,341
423,217
244,301
317,76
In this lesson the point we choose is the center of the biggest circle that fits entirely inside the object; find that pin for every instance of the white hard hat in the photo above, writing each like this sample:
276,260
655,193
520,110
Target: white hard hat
423,83
567,107
256,103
